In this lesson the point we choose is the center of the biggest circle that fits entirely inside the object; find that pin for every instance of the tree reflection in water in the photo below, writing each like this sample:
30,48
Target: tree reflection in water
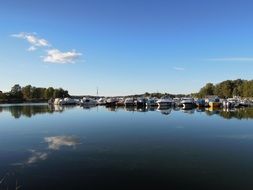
29,110
242,113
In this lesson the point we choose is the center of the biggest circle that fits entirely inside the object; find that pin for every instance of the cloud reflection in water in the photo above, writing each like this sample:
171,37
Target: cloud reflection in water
36,157
56,142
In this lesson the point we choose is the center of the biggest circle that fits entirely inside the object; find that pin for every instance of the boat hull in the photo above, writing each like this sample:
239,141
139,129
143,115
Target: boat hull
188,105
215,104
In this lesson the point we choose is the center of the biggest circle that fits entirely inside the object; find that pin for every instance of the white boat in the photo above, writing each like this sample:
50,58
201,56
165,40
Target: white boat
57,101
101,101
129,102
165,102
229,103
244,103
187,103
68,101
111,101
88,102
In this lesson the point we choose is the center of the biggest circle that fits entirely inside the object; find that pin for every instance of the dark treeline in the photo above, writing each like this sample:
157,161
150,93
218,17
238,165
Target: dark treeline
228,89
31,93
156,94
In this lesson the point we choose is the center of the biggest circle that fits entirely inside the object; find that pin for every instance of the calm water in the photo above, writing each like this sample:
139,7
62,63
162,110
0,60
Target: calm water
44,147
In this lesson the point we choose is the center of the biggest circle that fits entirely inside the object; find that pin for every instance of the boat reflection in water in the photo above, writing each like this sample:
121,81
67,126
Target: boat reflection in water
189,111
151,108
130,108
142,109
164,110
87,107
30,110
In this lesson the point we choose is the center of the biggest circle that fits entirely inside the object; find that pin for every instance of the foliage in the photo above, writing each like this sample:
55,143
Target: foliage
32,93
208,89
228,89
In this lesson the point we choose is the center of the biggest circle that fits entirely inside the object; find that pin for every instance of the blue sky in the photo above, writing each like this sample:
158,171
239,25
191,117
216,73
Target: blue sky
125,47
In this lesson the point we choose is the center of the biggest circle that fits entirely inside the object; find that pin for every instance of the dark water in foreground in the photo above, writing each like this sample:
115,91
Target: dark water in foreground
77,148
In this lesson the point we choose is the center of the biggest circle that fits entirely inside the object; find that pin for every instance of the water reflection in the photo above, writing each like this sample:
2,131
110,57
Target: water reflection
86,107
244,113
26,110
56,142
130,108
164,110
29,110
126,146
112,108
36,157
188,111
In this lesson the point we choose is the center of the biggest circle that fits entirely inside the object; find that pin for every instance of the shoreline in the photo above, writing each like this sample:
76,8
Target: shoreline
17,101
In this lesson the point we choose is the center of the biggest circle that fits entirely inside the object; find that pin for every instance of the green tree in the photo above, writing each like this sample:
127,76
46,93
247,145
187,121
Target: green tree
60,93
27,92
49,93
16,92
229,88
208,89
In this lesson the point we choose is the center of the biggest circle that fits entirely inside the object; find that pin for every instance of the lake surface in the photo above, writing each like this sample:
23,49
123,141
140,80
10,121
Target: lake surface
43,147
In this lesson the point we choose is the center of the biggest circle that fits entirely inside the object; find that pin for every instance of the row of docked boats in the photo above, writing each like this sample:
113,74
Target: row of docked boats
186,102
162,102
69,101
139,102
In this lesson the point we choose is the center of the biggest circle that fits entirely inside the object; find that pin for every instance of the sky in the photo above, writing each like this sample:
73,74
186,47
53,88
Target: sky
125,46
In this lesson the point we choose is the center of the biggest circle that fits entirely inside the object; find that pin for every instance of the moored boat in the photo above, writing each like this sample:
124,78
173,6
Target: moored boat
151,102
111,101
68,101
215,103
120,102
140,102
200,103
101,101
57,101
166,101
88,102
187,103
129,102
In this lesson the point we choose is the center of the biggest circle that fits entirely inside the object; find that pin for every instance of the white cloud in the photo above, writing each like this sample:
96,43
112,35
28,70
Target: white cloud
56,142
231,59
178,68
32,48
53,55
33,40
56,56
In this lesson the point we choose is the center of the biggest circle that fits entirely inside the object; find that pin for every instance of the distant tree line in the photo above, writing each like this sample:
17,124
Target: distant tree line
228,89
29,92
